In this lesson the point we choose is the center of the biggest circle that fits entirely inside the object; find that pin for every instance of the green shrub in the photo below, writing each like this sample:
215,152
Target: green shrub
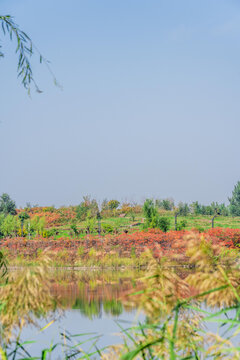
181,225
107,228
163,224
47,233
90,223
74,229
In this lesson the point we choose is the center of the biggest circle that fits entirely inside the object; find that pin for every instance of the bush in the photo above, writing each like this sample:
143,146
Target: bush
107,228
90,223
153,219
181,225
47,233
163,224
74,229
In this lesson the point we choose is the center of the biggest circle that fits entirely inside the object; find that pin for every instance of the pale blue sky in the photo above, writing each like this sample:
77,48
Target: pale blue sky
150,103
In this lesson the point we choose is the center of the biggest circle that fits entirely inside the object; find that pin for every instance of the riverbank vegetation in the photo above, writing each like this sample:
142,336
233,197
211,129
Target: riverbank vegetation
176,307
112,234
114,251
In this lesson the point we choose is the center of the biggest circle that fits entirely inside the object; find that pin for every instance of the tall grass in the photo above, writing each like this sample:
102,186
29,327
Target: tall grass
176,309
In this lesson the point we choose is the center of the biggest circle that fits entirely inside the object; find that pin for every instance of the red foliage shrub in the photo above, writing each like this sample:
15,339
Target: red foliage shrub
157,241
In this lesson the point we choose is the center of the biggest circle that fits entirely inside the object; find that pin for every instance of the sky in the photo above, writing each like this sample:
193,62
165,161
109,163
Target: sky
149,105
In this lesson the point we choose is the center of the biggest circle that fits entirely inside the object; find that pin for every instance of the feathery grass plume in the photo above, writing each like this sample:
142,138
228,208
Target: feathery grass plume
25,297
214,268
3,268
161,289
169,328
221,349
173,328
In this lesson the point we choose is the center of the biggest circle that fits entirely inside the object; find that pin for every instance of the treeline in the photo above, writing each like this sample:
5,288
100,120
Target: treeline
88,206
36,219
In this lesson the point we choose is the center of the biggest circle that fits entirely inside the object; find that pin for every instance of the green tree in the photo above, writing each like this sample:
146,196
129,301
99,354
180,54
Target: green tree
183,209
113,204
86,207
7,205
23,216
165,204
90,223
149,211
196,208
10,225
234,206
104,205
38,224
152,217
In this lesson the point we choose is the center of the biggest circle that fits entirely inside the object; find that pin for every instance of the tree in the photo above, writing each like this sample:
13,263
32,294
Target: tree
234,206
152,217
86,206
23,216
149,211
196,208
25,49
10,225
7,205
183,209
165,204
113,204
104,205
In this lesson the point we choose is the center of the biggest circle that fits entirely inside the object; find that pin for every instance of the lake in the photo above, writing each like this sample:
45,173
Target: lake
89,305
88,302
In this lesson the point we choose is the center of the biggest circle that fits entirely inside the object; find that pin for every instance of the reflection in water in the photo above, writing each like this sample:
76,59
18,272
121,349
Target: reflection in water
93,293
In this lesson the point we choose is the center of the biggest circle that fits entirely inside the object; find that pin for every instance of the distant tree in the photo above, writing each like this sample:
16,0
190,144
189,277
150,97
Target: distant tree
168,204
165,204
7,205
28,206
38,224
81,211
183,209
196,208
88,207
22,217
149,211
10,225
234,206
104,205
152,217
223,210
207,210
113,204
